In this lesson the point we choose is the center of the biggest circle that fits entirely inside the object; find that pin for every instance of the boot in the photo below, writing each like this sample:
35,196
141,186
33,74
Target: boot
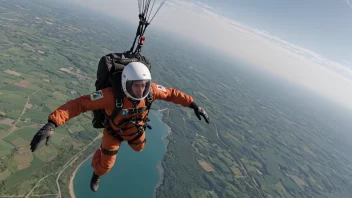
94,182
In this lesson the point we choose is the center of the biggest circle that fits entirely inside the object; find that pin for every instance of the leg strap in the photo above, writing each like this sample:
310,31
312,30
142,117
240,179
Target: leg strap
140,133
139,143
106,152
114,134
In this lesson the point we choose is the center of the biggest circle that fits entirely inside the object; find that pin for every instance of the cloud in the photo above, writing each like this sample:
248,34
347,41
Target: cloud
349,3
340,69
201,23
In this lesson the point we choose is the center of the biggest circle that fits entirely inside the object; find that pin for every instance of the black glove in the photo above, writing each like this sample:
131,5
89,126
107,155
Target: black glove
199,112
44,133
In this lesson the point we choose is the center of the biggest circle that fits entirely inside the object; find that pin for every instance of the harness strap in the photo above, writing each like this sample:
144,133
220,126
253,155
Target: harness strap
140,133
118,102
118,136
106,152
114,133
139,143
142,26
140,110
126,121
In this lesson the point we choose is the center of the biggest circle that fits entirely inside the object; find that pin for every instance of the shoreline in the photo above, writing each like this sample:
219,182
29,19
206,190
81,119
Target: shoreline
161,178
166,142
70,186
159,115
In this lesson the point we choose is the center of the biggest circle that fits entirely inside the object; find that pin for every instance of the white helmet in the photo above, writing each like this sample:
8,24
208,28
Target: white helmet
136,71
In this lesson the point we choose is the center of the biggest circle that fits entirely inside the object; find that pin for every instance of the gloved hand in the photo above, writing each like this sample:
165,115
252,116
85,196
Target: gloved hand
44,133
199,112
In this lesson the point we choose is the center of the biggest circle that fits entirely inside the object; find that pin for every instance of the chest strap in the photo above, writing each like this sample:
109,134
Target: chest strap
135,111
118,134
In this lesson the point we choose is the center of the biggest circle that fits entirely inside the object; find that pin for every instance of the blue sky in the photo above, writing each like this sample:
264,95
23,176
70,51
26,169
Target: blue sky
305,42
324,26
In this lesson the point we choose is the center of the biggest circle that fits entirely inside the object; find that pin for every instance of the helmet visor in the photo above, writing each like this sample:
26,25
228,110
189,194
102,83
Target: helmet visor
138,89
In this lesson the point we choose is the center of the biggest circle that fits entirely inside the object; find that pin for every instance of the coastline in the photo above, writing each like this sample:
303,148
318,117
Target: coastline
160,111
161,178
166,142
70,186
164,134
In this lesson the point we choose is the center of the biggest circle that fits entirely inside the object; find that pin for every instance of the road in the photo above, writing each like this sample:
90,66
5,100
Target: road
13,127
68,163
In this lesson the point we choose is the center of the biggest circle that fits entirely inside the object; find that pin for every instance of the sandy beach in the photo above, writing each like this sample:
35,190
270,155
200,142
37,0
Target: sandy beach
71,187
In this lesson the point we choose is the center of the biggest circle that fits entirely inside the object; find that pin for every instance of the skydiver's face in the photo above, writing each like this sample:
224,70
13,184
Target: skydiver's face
138,88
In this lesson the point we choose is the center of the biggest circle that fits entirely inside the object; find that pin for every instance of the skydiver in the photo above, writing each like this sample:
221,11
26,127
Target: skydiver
131,122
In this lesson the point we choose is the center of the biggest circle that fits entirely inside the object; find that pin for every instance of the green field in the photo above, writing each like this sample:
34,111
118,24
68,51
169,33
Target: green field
5,149
267,138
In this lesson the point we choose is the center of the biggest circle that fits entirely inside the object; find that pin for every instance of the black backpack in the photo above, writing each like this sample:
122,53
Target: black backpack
109,75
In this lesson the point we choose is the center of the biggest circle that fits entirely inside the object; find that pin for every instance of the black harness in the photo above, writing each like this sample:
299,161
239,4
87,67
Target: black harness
118,134
145,18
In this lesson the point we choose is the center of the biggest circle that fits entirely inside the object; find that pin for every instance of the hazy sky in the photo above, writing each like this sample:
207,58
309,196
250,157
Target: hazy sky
324,26
308,42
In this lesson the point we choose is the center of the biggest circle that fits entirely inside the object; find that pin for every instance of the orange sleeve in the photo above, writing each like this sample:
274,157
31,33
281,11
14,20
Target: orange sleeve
101,99
170,94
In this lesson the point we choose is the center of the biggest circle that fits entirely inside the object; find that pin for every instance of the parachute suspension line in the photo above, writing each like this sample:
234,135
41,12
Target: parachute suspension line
151,11
145,12
139,6
144,22
157,10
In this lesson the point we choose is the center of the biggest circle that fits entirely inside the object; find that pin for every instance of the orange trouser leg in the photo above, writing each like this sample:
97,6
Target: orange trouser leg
103,162
138,144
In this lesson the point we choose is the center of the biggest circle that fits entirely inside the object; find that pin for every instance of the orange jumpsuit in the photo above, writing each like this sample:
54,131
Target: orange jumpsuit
102,162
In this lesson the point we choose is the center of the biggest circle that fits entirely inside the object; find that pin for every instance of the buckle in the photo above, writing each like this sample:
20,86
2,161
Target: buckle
105,124
119,104
134,110
120,131
113,132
